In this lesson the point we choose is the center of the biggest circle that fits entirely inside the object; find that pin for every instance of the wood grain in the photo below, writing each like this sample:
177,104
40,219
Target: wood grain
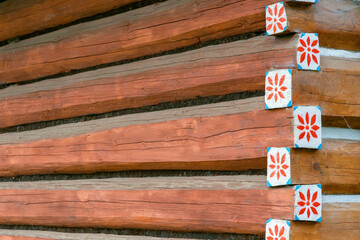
336,166
336,21
339,221
145,31
179,144
221,210
330,89
214,70
16,20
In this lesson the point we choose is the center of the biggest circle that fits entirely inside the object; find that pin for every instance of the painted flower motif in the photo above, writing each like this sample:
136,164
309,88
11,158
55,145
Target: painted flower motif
275,18
276,234
309,204
308,128
278,165
276,88
308,49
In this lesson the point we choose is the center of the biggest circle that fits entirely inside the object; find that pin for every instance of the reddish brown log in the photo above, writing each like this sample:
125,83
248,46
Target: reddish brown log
178,144
213,208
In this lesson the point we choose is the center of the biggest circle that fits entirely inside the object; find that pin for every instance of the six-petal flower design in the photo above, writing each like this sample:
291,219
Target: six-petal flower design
278,165
276,20
276,87
276,233
308,203
308,127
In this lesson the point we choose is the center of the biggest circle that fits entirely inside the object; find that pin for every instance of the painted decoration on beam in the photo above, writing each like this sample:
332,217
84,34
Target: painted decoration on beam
278,90
308,53
278,166
276,20
307,127
308,203
277,229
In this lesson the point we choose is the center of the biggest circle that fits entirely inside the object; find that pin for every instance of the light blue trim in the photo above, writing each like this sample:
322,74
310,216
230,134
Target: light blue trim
267,34
319,147
319,107
268,149
289,104
288,223
319,185
288,149
268,184
268,220
296,218
299,67
285,28
266,106
297,187
296,146
318,69
302,34
316,34
319,219
267,72
290,71
288,182
295,107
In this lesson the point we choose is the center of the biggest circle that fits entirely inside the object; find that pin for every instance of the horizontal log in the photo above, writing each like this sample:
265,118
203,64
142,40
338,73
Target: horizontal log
188,143
16,20
336,22
339,221
214,70
145,31
242,209
45,235
336,166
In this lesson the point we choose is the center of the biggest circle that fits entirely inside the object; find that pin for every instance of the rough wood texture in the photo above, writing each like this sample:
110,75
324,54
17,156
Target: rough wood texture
16,20
339,221
43,235
179,144
336,21
214,70
221,210
330,89
152,29
336,166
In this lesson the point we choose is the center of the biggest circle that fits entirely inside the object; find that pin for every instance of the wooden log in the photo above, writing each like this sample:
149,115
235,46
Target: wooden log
145,31
188,143
340,221
214,70
188,206
336,22
336,166
46,235
16,20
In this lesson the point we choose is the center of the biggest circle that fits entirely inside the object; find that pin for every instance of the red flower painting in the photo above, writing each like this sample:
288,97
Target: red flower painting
309,203
308,50
275,18
308,127
276,88
278,165
276,234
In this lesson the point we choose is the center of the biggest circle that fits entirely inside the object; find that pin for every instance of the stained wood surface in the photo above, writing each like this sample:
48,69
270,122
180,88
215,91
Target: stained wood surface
43,235
145,31
214,70
179,144
330,89
339,221
336,166
16,20
221,210
336,21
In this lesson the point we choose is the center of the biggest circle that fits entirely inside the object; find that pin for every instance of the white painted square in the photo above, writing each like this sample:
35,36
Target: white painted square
277,229
278,90
276,20
307,127
308,53
278,167
308,203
